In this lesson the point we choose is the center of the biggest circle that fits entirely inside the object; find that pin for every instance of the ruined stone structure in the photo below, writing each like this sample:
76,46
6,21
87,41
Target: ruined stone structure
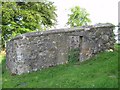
34,51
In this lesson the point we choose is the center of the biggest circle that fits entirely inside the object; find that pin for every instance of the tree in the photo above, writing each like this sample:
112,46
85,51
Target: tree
22,17
78,17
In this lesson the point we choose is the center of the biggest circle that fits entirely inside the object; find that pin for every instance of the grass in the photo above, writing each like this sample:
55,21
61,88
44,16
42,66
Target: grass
100,71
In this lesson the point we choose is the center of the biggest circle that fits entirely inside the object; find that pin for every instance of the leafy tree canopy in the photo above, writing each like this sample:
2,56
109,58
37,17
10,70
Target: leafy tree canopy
78,17
22,17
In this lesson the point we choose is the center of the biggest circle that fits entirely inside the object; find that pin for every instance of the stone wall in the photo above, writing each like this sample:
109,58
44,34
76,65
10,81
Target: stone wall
34,51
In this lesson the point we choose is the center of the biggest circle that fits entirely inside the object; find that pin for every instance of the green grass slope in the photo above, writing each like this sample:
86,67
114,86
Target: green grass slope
100,71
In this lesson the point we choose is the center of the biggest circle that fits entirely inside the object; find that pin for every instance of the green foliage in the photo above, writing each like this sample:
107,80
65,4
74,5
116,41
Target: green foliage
78,17
73,55
100,71
22,17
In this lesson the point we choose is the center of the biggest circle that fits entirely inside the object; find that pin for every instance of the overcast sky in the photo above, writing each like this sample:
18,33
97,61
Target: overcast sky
101,11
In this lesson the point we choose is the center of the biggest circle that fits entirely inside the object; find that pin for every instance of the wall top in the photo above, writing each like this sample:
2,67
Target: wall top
64,30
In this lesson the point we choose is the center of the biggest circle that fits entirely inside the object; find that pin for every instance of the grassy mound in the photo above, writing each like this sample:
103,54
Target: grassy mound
100,71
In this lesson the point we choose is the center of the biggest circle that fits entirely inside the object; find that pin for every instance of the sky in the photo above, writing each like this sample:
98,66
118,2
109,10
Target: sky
101,11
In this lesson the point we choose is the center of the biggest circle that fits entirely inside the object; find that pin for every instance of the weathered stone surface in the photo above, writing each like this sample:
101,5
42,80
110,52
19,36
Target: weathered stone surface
34,51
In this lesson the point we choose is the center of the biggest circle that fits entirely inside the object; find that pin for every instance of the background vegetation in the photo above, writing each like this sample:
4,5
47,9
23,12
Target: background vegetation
22,17
78,17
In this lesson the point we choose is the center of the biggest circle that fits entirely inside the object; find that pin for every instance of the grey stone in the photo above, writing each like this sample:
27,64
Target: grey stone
105,37
37,50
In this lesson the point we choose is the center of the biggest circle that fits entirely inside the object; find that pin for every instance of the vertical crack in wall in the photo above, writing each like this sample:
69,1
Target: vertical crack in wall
80,47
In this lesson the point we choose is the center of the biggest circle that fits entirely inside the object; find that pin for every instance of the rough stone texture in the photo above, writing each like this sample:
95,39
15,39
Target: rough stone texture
34,51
